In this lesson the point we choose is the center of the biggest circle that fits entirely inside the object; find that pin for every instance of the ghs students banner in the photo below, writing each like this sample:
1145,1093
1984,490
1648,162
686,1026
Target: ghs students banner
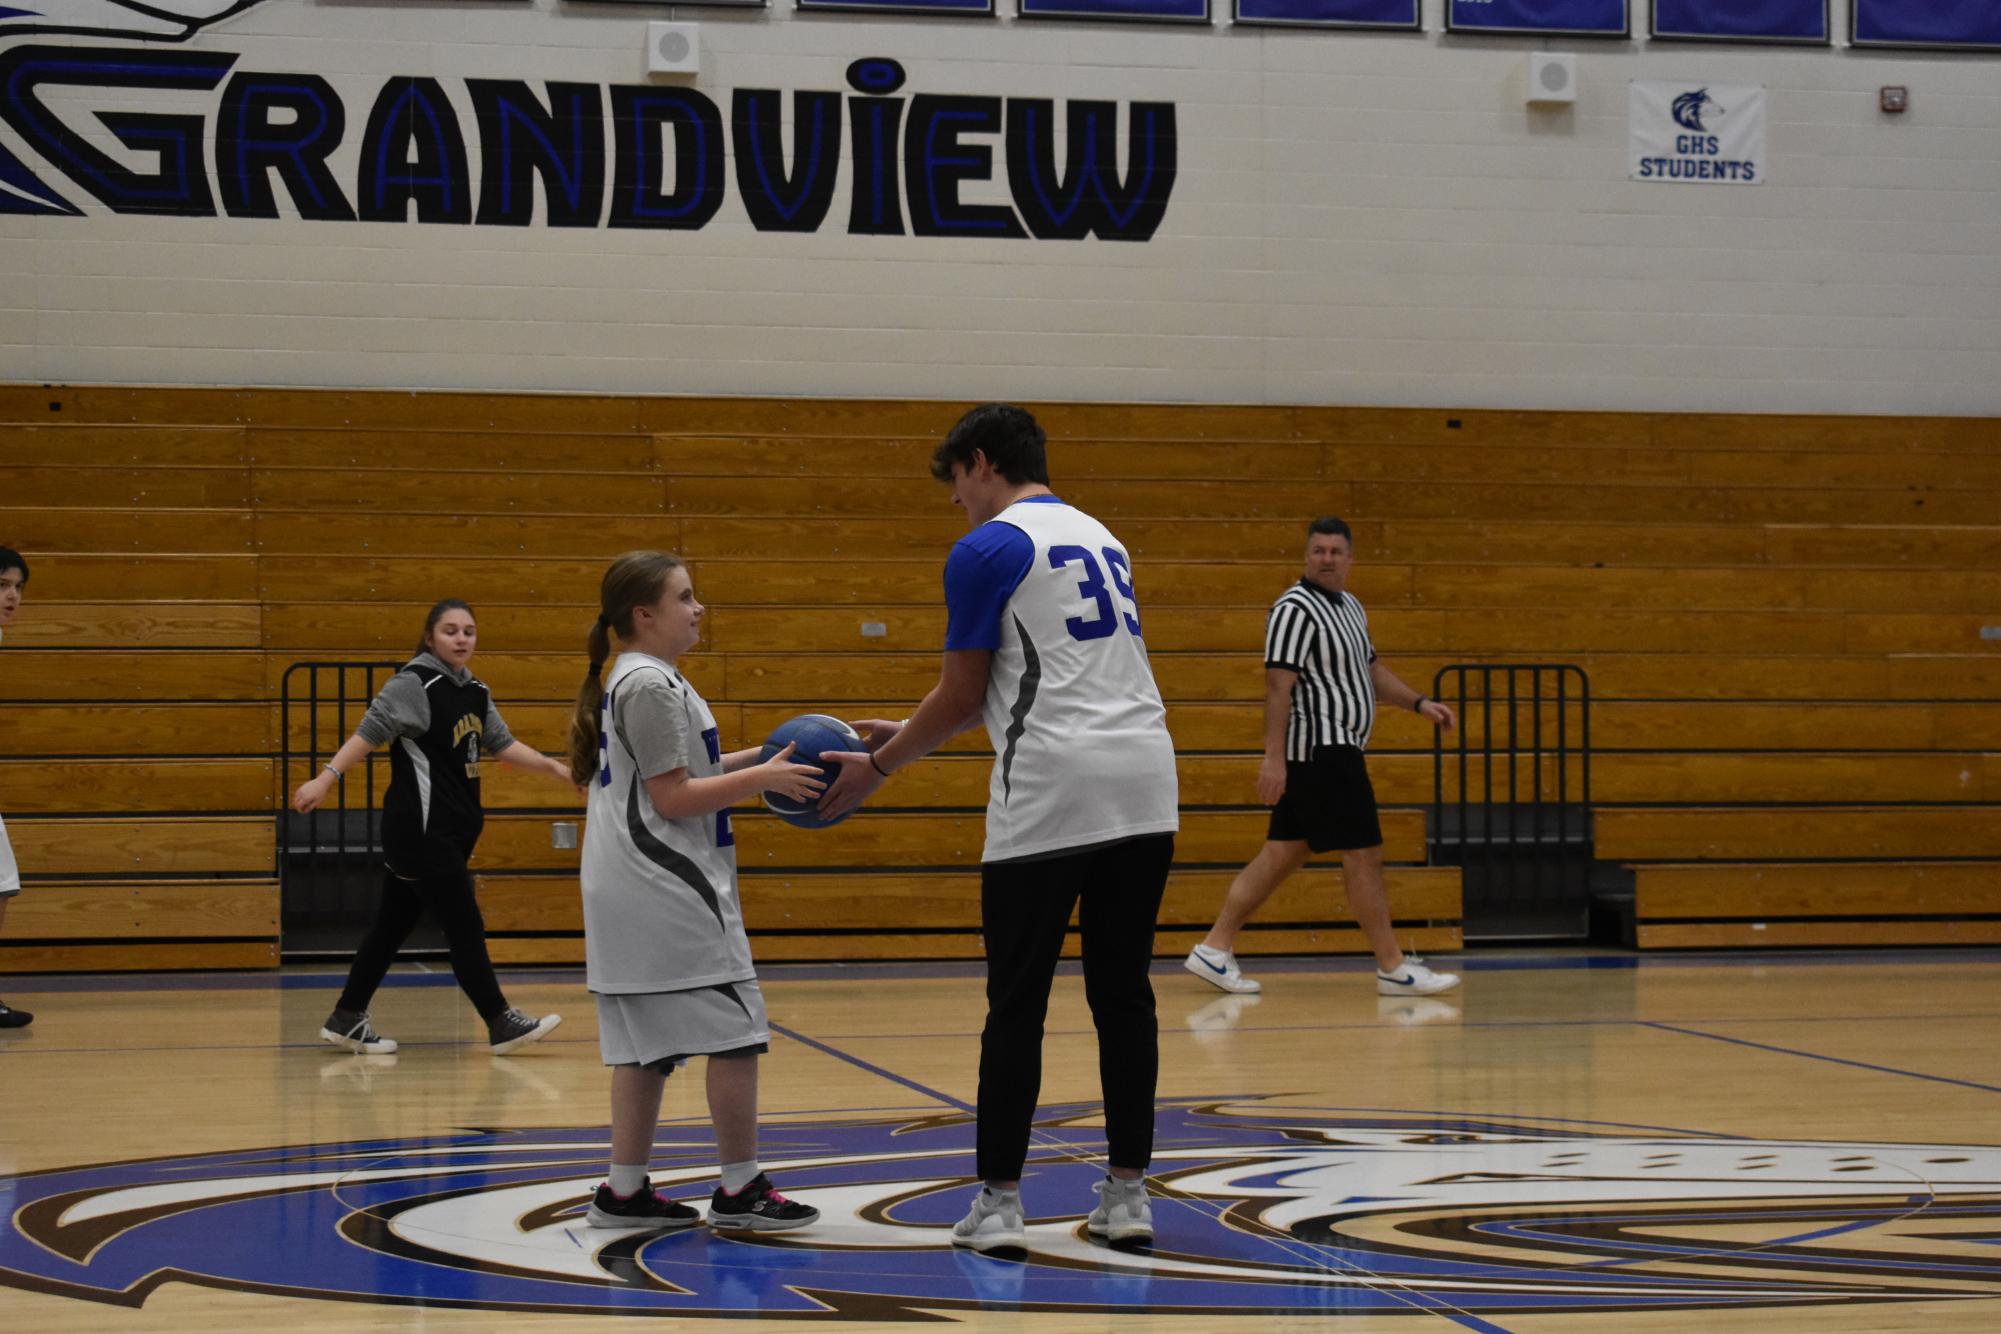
1712,132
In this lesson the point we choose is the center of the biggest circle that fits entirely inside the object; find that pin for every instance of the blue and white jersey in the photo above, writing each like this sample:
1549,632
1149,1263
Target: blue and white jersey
10,872
1081,750
660,896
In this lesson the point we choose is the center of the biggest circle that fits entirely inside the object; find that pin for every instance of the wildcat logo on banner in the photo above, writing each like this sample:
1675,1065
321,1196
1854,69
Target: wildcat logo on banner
1698,132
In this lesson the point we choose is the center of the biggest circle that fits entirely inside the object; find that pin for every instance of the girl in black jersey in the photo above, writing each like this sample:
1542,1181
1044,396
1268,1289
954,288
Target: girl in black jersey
438,719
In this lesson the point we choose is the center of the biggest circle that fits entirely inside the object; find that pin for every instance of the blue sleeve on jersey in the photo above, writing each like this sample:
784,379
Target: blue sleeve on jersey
981,574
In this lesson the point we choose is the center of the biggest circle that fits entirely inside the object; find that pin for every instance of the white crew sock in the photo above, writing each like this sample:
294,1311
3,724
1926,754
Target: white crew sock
738,1175
627,1178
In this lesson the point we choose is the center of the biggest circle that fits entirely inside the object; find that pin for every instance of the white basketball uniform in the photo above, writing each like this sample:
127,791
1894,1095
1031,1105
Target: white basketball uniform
10,871
660,896
1081,750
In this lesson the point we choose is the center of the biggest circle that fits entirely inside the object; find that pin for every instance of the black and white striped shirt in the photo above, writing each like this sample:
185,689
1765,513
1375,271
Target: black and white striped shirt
1325,638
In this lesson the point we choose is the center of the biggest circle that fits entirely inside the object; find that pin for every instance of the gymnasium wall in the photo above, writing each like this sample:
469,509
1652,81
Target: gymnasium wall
1353,218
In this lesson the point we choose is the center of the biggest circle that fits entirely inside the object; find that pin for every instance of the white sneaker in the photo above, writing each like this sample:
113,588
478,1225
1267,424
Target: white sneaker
1123,1215
1219,969
993,1224
1414,979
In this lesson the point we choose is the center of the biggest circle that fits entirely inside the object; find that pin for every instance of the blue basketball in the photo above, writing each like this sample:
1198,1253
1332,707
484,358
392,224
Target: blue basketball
809,733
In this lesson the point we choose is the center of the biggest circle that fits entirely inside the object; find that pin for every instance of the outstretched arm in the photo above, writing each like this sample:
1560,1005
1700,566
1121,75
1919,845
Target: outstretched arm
679,797
314,790
1392,691
952,706
521,755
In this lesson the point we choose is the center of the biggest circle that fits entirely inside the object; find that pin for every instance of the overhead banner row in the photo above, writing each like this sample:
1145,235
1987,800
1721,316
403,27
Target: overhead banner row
1966,25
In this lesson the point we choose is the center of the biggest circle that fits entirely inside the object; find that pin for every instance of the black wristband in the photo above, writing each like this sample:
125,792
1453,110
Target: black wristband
1418,707
877,767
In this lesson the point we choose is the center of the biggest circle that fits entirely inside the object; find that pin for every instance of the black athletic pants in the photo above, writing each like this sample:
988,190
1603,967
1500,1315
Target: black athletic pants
448,896
1024,913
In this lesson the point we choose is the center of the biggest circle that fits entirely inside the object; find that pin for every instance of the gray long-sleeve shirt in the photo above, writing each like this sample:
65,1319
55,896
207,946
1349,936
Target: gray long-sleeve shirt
403,708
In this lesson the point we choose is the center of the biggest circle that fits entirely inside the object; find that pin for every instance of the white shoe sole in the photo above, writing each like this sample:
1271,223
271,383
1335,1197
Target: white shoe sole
989,1241
379,1047
535,1034
613,1222
1124,1233
1443,982
1243,986
757,1223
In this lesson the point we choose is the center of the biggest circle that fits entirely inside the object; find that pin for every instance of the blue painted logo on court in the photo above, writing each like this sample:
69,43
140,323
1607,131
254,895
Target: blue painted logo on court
1257,1207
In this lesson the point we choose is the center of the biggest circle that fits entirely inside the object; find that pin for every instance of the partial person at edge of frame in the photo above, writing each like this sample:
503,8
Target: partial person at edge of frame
13,586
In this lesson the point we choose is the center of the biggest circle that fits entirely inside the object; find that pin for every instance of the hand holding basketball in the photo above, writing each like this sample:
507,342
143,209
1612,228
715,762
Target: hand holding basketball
798,782
802,744
858,780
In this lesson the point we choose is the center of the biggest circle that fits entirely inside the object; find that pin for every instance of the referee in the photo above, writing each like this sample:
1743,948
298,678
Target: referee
1322,682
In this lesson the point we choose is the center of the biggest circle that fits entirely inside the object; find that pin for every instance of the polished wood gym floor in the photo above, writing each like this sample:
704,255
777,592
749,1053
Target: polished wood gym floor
1571,1142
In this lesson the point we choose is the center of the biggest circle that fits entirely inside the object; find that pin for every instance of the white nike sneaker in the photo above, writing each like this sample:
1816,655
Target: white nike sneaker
1124,1216
1219,969
1414,979
993,1224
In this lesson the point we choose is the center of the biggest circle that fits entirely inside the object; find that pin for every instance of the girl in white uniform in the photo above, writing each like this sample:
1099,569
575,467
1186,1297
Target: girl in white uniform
13,581
664,945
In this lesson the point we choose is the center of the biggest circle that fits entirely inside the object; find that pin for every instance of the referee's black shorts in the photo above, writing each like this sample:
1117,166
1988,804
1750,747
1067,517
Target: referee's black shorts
1329,802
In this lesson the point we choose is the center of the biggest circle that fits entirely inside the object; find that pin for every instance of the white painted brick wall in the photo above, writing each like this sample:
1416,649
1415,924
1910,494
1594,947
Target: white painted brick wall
1359,218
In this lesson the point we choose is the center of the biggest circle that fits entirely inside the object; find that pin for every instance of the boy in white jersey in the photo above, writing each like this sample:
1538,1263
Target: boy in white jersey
13,582
664,946
1043,644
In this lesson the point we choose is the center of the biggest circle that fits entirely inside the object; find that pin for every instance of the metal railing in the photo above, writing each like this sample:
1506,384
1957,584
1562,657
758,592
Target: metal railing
1511,797
329,861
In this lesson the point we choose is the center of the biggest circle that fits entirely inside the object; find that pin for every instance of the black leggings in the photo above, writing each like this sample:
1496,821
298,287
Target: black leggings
1024,913
448,895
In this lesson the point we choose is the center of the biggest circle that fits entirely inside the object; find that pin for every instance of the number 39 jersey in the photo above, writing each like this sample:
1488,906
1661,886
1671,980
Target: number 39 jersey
1081,750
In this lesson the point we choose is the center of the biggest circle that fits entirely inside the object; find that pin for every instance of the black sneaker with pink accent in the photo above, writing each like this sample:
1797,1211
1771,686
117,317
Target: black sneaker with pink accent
645,1208
758,1208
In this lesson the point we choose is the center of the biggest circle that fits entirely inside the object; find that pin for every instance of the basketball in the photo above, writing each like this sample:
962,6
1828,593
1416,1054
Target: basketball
809,733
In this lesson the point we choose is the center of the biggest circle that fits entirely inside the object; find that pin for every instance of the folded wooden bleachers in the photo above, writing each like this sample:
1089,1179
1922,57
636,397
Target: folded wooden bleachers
1780,617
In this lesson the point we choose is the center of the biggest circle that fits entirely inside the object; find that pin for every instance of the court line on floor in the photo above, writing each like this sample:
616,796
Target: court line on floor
1423,1302
872,1068
1444,1026
1472,963
24,1044
1817,1056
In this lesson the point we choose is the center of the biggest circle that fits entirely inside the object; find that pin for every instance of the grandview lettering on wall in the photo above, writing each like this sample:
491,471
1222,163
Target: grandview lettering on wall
634,156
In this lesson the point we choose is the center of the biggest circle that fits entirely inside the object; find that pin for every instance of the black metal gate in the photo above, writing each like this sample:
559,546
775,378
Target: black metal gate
330,861
1511,797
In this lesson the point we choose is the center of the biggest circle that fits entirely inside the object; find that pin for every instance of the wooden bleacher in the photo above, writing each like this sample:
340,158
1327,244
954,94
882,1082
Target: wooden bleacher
1794,712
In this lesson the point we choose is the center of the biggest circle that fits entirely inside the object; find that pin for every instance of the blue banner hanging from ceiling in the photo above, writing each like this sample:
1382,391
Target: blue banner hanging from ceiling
1540,18
1941,24
900,6
1402,14
1146,11
1799,21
